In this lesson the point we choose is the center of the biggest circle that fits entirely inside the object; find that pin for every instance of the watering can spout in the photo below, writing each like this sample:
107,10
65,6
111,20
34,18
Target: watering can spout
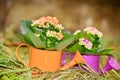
76,60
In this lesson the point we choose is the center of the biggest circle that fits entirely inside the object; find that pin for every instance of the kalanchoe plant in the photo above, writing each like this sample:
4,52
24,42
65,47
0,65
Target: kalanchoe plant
89,41
45,33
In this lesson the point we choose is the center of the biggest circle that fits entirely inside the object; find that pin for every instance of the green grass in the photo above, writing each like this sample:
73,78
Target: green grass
17,71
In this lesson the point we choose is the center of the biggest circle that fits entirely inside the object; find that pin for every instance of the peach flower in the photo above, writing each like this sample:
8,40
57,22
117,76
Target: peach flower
60,36
44,19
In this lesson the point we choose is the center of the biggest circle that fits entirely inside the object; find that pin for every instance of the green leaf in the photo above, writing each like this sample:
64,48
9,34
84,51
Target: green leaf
73,48
84,35
51,42
28,40
105,52
76,47
67,40
40,31
34,40
37,30
20,37
25,26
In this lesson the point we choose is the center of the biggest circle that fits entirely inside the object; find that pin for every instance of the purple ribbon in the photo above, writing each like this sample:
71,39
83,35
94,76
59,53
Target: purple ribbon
93,62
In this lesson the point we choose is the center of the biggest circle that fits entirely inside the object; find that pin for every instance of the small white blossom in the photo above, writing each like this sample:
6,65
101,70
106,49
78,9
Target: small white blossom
45,26
51,34
100,34
35,22
93,31
58,35
37,34
76,32
59,26
86,43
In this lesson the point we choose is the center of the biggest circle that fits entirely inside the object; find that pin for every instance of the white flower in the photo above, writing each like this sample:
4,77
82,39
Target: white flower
58,36
37,34
51,34
46,26
59,26
76,32
35,22
93,31
100,34
86,43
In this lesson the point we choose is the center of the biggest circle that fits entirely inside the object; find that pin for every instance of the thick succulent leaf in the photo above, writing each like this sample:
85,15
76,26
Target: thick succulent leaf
34,40
19,36
24,39
67,40
105,52
84,35
36,30
25,26
76,47
27,40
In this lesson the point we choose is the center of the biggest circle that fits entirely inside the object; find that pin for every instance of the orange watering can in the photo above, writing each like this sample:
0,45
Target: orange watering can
48,60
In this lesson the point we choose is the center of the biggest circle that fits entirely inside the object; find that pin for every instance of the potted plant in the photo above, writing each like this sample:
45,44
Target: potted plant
46,40
89,43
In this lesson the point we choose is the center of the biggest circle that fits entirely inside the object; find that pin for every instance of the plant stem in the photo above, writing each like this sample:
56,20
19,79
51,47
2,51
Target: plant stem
1,65
15,71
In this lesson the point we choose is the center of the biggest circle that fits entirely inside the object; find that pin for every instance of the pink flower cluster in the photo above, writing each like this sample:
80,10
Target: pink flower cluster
93,31
86,43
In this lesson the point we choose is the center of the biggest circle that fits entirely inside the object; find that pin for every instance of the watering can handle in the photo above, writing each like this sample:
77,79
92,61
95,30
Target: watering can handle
17,54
